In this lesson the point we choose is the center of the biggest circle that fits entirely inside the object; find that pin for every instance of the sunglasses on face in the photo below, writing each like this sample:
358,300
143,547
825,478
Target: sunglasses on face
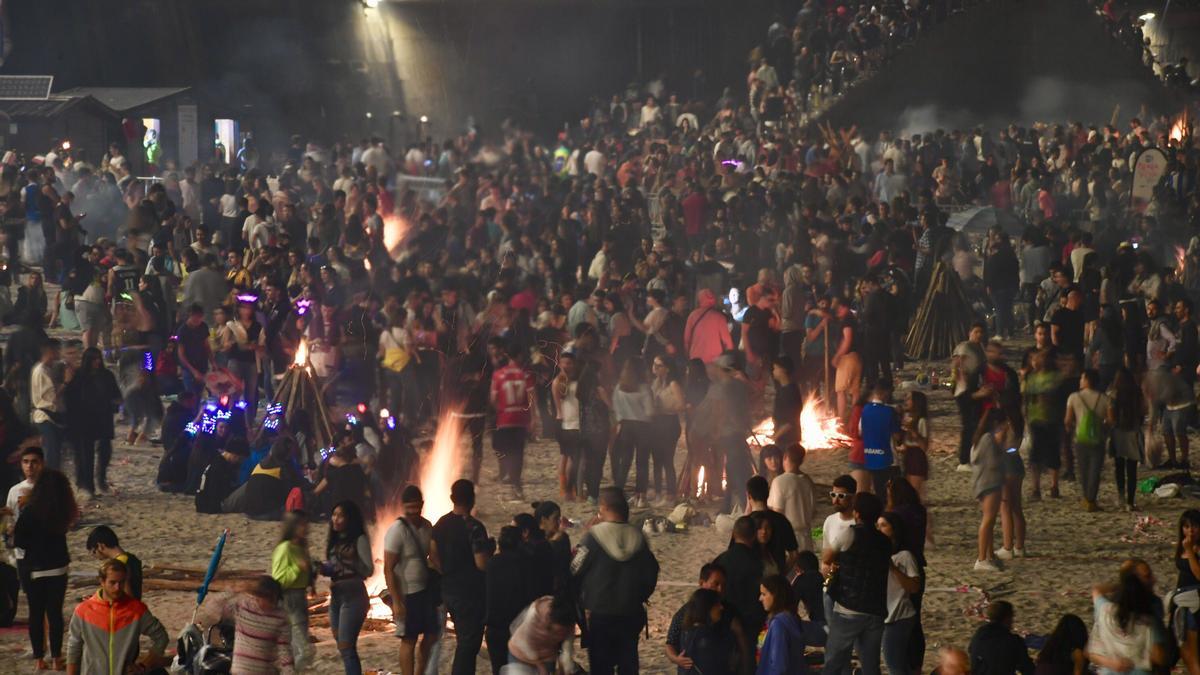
838,495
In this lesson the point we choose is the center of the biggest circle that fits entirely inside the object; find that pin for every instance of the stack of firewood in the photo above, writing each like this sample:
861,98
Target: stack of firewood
943,318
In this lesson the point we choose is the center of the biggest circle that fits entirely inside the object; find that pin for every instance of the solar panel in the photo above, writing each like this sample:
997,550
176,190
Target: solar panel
25,87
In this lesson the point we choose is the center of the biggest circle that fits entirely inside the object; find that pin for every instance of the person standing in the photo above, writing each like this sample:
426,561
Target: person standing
904,581
876,338
968,359
92,397
1002,279
633,407
744,567
512,395
616,573
292,570
729,399
246,351
991,443
1125,417
41,533
32,464
669,403
45,389
859,590
786,408
511,576
1066,326
407,575
793,494
781,545
878,424
846,359
783,643
1087,414
706,333
103,544
348,565
459,549
105,629
1041,413
194,352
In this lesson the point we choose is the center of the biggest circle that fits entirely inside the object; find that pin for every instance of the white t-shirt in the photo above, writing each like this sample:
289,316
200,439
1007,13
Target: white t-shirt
15,493
594,162
412,568
899,604
262,234
229,206
834,526
792,494
569,408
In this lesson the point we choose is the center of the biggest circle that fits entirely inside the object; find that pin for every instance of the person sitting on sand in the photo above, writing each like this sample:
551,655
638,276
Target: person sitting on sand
263,495
218,480
995,649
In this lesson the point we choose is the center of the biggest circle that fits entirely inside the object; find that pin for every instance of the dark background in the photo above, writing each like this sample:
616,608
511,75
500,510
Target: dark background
317,66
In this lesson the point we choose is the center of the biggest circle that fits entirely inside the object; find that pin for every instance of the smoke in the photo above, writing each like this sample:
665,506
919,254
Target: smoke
1047,100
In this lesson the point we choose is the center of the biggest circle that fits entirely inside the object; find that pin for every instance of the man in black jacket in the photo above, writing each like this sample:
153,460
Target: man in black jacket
744,571
995,649
616,573
863,556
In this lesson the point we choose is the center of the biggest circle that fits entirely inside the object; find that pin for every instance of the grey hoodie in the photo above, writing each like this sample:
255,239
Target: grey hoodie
615,570
791,305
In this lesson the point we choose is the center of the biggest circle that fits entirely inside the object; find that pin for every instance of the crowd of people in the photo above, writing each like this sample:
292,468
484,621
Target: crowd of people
660,273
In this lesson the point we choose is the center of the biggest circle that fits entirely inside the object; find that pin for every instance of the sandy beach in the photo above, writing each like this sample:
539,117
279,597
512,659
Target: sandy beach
1069,550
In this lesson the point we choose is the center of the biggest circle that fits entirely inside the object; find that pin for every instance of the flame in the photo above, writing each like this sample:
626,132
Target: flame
395,229
700,484
442,466
301,359
1178,129
820,428
367,264
439,468
1180,261
763,434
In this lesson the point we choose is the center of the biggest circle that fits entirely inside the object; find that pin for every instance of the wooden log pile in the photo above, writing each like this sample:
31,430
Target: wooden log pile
942,320
188,579
298,390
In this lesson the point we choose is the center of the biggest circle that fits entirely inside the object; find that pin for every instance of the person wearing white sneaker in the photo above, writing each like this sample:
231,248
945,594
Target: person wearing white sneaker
987,479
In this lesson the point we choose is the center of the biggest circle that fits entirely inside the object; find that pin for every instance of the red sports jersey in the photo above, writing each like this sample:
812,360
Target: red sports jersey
511,389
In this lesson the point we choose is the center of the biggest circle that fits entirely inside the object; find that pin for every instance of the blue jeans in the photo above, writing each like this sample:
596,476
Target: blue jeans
347,612
862,633
895,645
52,438
191,382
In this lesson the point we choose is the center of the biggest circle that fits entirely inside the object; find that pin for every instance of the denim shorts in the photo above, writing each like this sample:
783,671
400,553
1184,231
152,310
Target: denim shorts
1175,422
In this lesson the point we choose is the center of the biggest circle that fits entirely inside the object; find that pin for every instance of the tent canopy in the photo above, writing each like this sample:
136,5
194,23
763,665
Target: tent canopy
981,218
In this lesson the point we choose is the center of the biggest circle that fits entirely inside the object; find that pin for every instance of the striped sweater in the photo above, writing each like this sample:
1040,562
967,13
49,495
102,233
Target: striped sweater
263,637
